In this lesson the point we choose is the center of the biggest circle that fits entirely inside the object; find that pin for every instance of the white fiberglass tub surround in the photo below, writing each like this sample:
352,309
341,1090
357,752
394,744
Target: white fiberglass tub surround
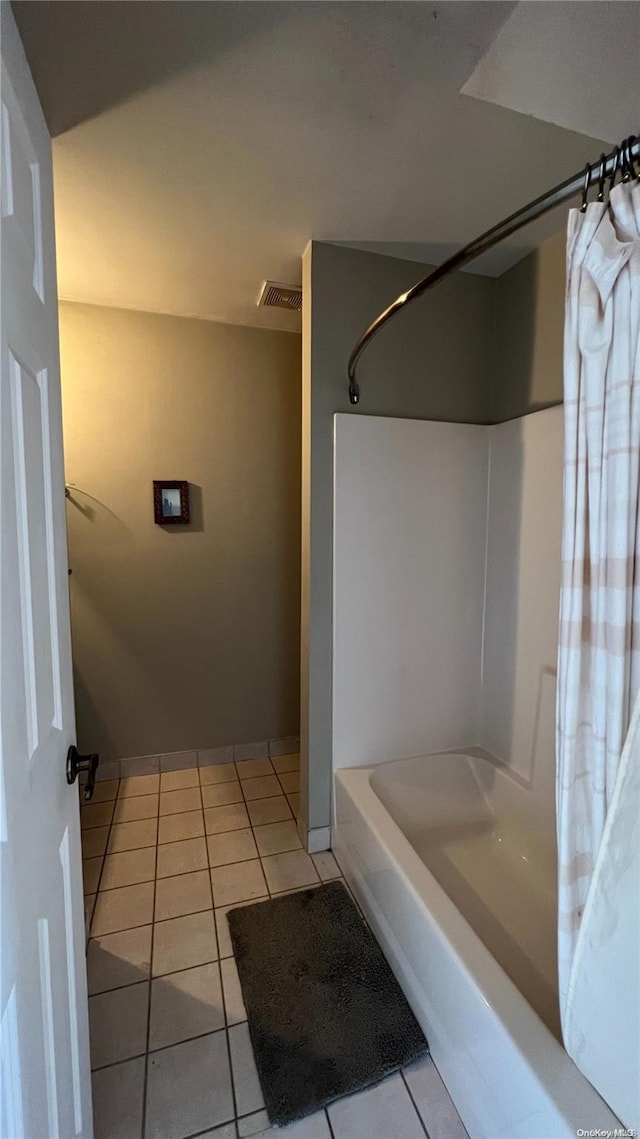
446,580
460,890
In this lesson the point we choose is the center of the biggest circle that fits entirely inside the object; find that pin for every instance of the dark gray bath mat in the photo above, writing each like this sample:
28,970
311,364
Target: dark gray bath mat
326,1015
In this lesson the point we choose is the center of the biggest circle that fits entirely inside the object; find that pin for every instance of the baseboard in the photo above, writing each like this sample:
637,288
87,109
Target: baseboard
197,757
314,840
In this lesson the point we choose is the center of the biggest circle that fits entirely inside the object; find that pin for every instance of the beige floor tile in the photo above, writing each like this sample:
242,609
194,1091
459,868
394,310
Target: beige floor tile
118,1096
233,1000
185,1004
290,782
294,803
233,846
284,763
287,871
129,867
118,959
184,894
255,1124
89,903
181,943
96,814
91,868
227,1131
105,791
132,836
177,780
380,1111
177,802
216,795
238,882
175,828
129,810
225,948
252,768
218,773
124,908
272,810
313,1126
188,1088
139,785
435,1106
260,788
274,838
94,841
181,857
245,1075
118,1024
231,817
326,865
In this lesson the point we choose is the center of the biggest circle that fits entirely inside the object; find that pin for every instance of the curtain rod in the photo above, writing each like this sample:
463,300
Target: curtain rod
605,167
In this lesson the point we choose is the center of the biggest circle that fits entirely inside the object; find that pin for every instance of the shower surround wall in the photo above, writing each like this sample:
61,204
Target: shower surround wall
475,350
446,581
409,556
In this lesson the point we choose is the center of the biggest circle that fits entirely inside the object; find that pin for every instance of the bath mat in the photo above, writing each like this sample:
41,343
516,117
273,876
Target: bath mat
326,1014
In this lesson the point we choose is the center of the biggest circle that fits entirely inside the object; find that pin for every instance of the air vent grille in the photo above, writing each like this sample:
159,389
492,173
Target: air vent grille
274,295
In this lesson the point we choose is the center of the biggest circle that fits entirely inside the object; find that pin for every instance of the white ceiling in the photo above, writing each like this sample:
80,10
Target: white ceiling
593,87
201,145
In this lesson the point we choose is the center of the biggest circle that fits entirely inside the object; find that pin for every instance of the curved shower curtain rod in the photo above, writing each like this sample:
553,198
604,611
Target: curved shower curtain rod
606,167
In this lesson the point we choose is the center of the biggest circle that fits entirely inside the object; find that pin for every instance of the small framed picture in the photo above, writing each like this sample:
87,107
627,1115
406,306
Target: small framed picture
170,501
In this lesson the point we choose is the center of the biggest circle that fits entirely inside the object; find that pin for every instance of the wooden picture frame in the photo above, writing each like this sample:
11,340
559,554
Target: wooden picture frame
170,502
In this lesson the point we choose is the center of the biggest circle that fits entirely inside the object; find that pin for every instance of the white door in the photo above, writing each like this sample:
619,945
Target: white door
45,1085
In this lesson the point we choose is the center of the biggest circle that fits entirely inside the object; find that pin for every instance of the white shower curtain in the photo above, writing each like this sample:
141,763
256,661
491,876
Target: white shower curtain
599,637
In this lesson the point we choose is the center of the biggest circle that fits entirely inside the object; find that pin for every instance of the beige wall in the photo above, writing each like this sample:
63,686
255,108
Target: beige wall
188,636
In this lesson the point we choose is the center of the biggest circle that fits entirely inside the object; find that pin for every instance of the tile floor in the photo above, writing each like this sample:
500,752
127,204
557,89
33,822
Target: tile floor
164,858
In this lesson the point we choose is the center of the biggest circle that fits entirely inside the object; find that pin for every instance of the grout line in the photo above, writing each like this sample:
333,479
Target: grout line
417,1110
153,926
164,1048
326,1112
158,977
187,1039
160,921
206,846
224,1003
164,878
216,1127
103,856
224,906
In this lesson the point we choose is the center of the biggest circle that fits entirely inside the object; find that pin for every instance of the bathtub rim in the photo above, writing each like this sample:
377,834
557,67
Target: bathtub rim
545,1058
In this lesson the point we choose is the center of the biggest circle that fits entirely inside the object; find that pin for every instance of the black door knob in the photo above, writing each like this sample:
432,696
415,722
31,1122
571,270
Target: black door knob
77,763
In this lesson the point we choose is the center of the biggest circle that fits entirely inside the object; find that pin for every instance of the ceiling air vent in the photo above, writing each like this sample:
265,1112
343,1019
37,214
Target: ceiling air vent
274,295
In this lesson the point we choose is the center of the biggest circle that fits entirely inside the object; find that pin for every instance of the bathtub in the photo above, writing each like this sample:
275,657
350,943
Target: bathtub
458,884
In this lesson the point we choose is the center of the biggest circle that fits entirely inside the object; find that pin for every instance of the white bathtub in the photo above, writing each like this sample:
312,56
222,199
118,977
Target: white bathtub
459,887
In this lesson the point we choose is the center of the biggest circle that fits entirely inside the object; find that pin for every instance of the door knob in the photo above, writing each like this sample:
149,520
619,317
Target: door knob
77,763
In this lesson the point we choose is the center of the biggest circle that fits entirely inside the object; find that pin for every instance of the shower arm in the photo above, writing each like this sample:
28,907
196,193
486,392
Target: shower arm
606,167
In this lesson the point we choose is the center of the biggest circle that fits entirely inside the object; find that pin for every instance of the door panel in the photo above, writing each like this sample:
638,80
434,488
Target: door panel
45,1084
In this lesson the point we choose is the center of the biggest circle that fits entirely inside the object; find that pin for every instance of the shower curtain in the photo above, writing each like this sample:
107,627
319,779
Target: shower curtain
599,635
